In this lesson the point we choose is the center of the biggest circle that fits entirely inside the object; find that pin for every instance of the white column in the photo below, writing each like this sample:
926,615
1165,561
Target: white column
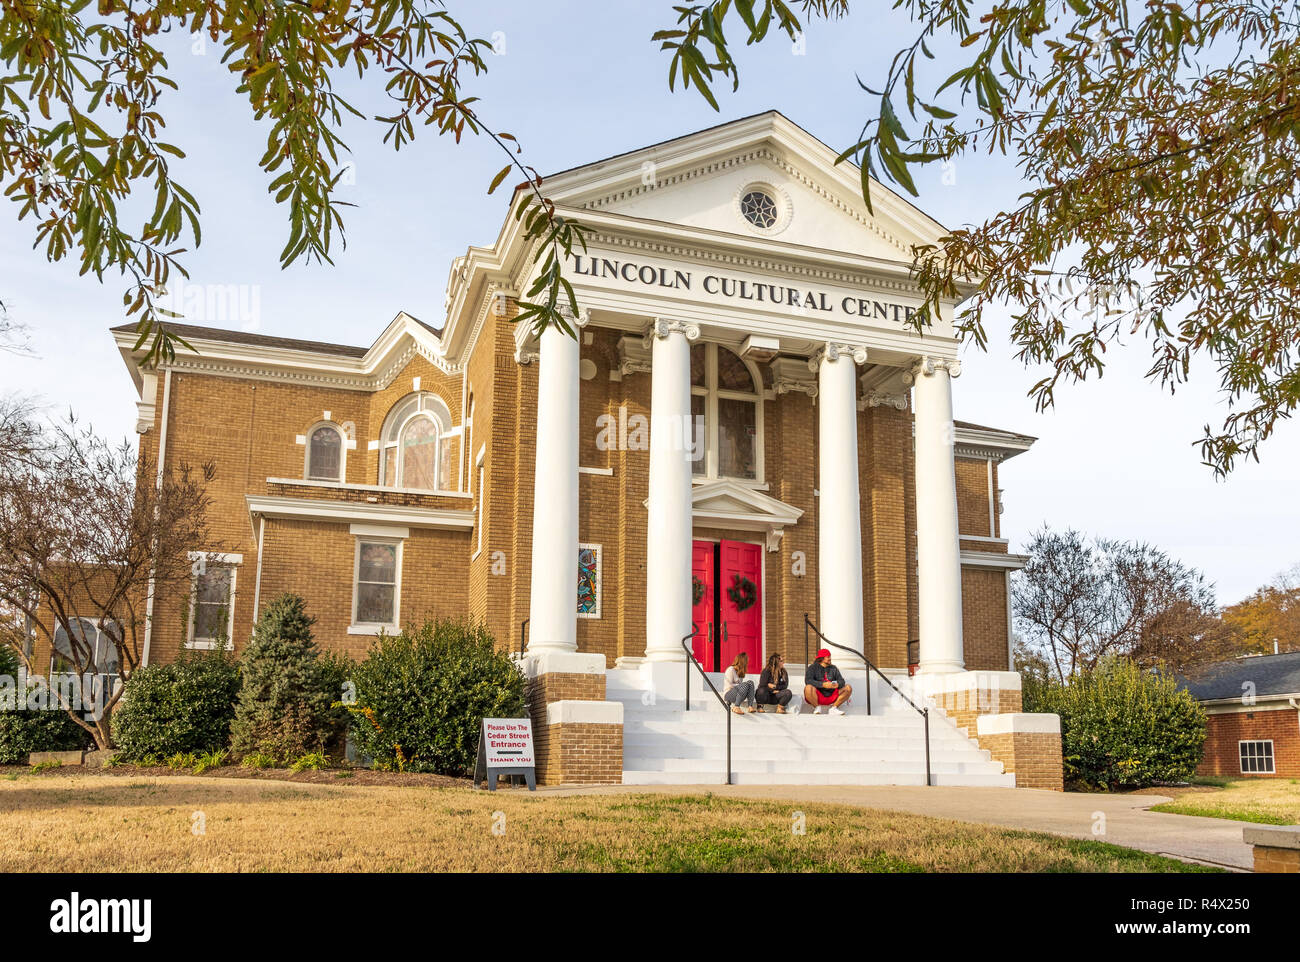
839,526
938,550
668,538
552,601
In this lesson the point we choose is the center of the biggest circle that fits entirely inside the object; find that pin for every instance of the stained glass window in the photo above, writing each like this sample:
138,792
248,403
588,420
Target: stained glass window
325,454
589,581
759,209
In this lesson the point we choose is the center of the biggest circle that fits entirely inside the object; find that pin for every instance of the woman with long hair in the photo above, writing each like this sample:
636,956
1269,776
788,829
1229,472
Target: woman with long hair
739,691
774,684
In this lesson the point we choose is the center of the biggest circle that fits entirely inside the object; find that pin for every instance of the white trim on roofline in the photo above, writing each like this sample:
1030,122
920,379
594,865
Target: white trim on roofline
352,512
993,559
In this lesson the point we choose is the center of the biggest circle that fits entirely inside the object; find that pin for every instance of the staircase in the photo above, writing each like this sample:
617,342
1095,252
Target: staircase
664,744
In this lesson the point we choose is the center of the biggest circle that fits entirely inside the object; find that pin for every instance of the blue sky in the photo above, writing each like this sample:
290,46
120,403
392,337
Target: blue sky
579,81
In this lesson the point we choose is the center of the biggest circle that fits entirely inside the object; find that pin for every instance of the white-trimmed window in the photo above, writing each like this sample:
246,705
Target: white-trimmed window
478,492
94,645
417,445
376,584
726,400
325,453
1257,757
212,600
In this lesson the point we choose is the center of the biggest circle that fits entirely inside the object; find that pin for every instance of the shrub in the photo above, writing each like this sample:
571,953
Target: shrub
1122,726
26,730
8,661
286,703
257,760
420,697
312,761
210,760
185,707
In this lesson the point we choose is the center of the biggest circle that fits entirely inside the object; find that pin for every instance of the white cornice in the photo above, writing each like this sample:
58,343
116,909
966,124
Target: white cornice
769,135
352,512
984,444
403,339
993,559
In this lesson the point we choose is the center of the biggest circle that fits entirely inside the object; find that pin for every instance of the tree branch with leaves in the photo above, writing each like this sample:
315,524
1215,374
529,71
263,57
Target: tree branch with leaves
82,126
1159,146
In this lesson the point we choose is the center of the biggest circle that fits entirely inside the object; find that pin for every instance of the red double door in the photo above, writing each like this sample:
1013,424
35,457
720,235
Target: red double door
727,575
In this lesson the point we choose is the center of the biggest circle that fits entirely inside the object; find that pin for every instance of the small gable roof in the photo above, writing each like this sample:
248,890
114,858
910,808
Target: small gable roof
1269,674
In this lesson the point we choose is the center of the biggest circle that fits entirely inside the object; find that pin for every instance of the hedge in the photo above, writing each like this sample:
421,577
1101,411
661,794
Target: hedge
185,706
420,696
1121,726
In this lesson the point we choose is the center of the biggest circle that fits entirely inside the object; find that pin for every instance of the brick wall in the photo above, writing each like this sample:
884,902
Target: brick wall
963,707
578,754
1224,731
1033,757
973,497
249,429
984,618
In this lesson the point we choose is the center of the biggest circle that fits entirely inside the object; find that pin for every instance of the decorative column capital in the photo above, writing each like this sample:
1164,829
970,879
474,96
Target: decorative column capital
633,356
581,319
661,327
875,399
790,374
526,355
834,350
926,366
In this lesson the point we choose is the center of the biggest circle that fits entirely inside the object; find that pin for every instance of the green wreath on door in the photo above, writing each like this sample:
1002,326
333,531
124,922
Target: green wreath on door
743,592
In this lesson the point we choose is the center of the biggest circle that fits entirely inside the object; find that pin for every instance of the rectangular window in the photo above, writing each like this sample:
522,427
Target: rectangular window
1256,757
448,459
478,487
377,577
589,580
212,604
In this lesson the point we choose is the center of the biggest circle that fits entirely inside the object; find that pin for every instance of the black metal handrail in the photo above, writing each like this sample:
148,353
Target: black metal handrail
690,660
923,712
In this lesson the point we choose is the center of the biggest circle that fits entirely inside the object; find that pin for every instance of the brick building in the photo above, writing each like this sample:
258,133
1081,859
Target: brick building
744,431
1253,715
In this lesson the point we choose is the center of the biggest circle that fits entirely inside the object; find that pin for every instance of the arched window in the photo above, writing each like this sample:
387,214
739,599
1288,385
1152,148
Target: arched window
325,453
93,647
416,446
726,404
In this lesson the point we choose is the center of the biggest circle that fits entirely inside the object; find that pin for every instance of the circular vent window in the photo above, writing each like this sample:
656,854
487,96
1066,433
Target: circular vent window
759,209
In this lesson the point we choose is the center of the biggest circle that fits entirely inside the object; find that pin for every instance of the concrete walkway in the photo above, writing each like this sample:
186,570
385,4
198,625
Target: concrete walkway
1120,819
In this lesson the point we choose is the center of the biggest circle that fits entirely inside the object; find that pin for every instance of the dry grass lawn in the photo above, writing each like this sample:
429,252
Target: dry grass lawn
106,823
1272,801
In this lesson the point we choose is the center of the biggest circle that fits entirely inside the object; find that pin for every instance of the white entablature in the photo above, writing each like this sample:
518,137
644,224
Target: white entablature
668,235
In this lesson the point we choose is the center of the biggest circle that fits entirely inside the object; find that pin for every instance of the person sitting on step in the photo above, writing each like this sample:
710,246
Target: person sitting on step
774,685
739,691
824,686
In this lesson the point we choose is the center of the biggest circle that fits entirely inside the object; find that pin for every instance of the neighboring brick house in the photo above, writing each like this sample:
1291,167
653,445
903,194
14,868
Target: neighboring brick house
741,297
1253,709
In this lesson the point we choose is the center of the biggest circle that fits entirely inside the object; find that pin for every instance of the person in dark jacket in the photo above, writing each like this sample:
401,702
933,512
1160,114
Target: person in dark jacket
824,686
774,685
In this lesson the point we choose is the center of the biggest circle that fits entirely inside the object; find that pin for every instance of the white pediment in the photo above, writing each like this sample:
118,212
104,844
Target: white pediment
730,504
698,181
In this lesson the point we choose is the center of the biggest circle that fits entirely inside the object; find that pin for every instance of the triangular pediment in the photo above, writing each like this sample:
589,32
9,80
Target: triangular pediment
700,180
730,503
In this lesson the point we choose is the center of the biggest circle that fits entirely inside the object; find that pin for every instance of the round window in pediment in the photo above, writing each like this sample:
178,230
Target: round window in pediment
759,208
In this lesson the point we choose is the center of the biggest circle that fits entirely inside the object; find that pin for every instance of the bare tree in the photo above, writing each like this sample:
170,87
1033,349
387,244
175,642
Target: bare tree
82,544
1078,601
13,336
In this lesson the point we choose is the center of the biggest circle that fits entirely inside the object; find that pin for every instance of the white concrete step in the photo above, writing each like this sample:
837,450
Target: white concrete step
664,743
826,766
642,777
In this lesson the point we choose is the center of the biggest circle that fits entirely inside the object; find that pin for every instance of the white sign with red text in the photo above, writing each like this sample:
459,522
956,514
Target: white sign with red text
508,742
